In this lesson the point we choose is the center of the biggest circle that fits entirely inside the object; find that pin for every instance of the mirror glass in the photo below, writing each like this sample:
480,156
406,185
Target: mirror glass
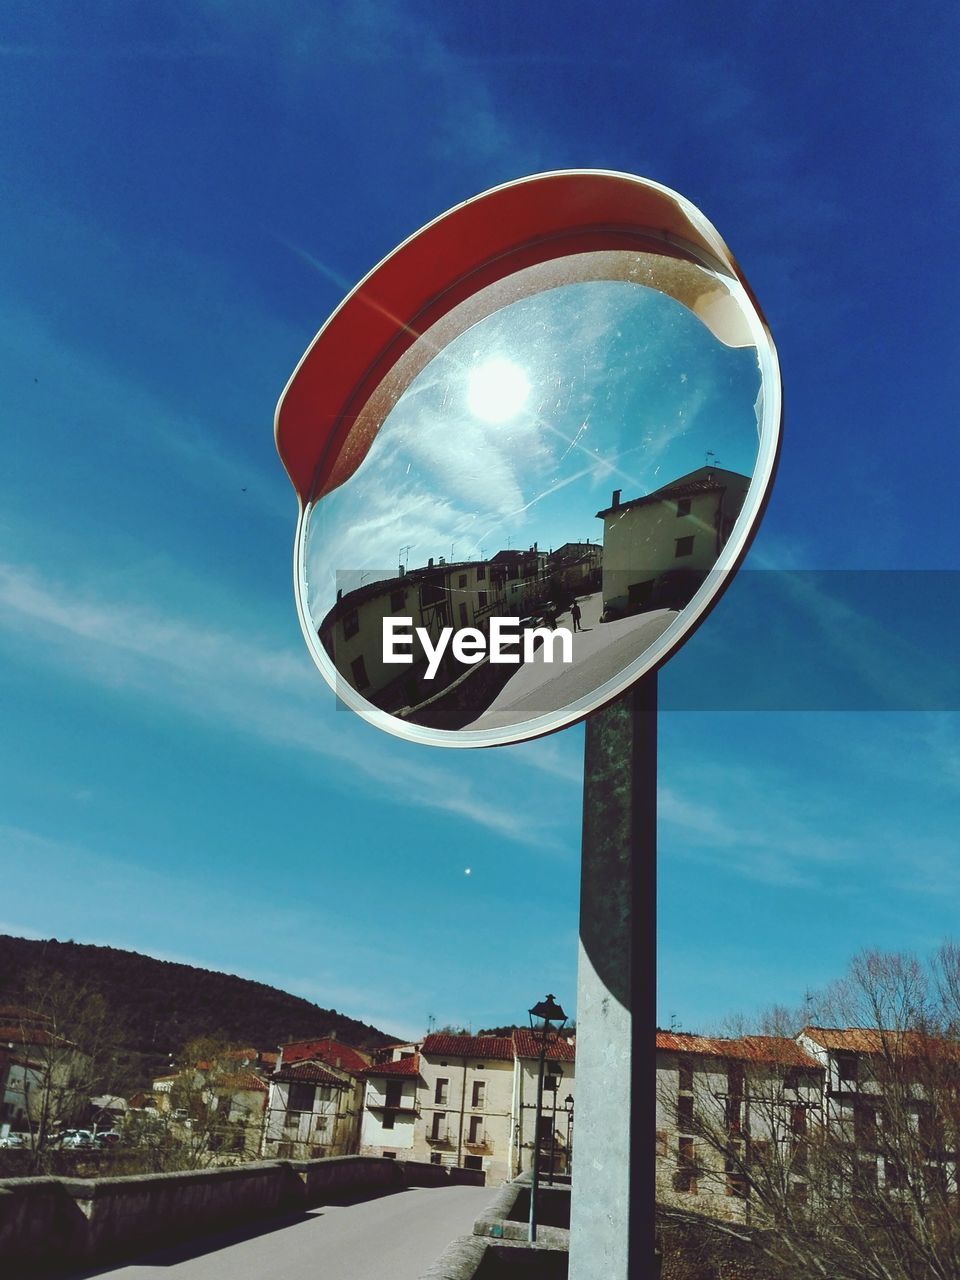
539,499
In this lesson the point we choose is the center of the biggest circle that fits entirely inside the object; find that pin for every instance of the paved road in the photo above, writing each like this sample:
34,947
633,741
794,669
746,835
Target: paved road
600,652
396,1236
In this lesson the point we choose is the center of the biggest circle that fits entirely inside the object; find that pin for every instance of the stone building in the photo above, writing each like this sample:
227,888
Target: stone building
724,1102
315,1103
471,1101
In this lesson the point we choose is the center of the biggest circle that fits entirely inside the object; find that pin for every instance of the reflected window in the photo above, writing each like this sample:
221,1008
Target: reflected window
359,668
683,506
397,600
351,624
684,547
481,572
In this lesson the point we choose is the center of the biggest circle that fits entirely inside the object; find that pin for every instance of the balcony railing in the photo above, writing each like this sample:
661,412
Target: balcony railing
406,1106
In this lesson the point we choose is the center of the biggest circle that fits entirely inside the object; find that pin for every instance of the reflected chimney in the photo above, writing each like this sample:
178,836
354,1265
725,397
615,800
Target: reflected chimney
616,497
430,563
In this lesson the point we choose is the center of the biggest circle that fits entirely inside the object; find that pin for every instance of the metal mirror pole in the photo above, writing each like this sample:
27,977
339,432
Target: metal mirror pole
612,1211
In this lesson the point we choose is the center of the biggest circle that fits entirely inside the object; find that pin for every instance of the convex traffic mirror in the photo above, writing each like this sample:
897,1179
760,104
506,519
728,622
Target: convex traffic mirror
530,448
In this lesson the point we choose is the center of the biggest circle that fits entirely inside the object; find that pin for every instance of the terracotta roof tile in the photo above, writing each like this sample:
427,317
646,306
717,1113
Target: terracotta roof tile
874,1040
528,1046
325,1049
245,1081
497,1048
402,1067
771,1049
310,1073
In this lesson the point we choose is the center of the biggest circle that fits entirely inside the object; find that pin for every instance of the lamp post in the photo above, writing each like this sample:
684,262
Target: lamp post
547,1012
568,1107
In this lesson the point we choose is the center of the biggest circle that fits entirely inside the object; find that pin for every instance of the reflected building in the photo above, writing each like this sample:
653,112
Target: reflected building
530,585
658,549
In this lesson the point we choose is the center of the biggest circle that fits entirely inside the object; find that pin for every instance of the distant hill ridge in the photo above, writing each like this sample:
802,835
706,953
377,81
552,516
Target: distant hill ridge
160,1005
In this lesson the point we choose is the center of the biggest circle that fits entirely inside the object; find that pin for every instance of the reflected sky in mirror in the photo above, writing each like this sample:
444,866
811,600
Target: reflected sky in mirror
520,429
577,459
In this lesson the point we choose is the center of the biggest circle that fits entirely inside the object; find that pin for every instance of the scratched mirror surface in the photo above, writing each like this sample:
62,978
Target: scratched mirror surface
547,495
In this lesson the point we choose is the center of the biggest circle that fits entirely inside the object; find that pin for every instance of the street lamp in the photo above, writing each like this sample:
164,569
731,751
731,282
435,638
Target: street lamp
568,1107
547,1012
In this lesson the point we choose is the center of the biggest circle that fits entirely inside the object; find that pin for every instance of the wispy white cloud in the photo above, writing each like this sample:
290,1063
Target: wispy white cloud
245,681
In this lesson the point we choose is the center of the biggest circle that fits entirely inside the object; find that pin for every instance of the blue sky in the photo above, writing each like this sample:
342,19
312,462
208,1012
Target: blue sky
188,192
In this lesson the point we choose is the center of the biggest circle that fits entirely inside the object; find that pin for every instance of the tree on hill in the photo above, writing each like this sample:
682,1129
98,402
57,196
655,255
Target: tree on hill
160,1005
68,1049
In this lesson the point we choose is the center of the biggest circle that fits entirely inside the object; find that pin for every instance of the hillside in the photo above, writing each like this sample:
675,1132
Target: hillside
160,1005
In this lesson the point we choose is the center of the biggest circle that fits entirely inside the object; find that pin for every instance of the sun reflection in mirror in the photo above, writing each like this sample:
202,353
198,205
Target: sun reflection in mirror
497,390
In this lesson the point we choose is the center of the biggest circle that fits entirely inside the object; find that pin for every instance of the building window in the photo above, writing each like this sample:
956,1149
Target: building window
864,1126
438,1129
685,1179
683,506
661,1142
300,1097
351,624
324,1092
321,1126
686,1075
479,1089
388,1120
436,1157
472,1162
684,546
737,1183
476,1134
463,615
441,1090
394,1094
685,1113
397,600
359,669
847,1067
481,599
389,1155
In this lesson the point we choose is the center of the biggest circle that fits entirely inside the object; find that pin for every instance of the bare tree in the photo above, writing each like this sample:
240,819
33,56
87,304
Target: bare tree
69,1049
837,1146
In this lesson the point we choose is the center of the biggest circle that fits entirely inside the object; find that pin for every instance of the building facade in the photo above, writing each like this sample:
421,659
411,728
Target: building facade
658,548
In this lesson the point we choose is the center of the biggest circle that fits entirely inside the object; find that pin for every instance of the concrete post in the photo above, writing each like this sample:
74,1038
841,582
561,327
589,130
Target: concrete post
612,1209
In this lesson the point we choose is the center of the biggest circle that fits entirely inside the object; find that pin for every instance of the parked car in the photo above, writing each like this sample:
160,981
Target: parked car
109,1138
14,1140
71,1139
